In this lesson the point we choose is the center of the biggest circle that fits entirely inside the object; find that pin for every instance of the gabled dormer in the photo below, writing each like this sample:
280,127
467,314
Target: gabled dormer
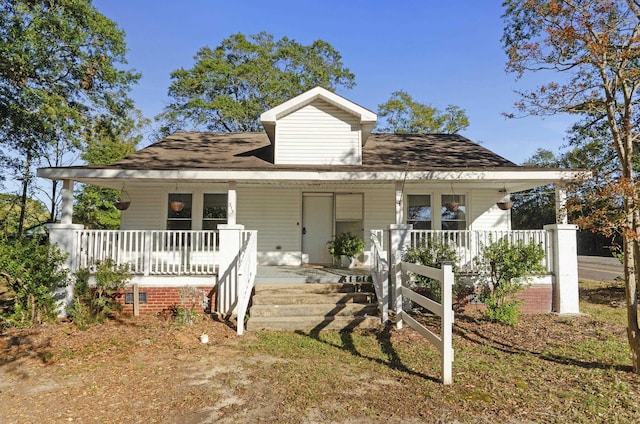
318,127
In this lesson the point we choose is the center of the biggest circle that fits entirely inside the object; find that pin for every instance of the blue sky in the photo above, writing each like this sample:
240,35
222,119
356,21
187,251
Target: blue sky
440,52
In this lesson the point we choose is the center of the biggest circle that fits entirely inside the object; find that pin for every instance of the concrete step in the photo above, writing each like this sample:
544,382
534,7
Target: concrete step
315,288
310,306
317,310
335,323
283,298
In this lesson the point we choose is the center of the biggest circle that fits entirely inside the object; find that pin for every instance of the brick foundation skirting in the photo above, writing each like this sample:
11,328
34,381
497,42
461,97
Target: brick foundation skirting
161,300
538,299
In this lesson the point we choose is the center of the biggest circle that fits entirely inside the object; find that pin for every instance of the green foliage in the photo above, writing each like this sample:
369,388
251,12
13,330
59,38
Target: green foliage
229,86
10,205
60,66
502,308
109,141
345,244
33,271
185,312
406,116
95,303
534,208
431,254
95,208
508,268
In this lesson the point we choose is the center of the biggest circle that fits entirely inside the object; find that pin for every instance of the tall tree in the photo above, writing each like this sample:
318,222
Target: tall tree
403,115
593,49
229,86
59,67
109,141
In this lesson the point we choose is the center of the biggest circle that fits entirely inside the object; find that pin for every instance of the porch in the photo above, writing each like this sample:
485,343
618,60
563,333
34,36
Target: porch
225,260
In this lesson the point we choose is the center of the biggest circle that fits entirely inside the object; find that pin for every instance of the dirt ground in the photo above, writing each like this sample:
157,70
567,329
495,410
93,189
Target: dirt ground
129,370
151,370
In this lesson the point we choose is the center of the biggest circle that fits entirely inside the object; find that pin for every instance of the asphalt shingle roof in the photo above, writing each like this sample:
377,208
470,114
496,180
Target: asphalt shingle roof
247,151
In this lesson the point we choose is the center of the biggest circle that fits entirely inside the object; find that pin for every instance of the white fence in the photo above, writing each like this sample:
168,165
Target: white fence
152,252
380,274
468,244
444,310
247,266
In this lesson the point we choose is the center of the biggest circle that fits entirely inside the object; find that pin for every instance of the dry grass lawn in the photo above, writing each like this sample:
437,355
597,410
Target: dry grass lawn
548,369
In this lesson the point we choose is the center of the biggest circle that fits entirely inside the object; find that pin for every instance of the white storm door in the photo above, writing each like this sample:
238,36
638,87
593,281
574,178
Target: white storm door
317,226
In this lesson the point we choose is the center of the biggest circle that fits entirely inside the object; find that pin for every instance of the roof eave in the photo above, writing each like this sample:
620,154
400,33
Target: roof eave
459,175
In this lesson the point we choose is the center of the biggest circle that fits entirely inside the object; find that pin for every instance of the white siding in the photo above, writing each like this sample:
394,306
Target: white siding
276,214
348,207
146,211
379,210
485,214
318,134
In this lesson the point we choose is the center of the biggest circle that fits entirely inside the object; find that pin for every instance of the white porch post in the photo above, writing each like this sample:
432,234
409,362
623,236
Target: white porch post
230,243
63,235
565,268
398,239
561,204
67,202
399,203
232,198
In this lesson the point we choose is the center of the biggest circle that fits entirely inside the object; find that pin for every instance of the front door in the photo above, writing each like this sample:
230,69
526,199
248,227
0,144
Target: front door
317,226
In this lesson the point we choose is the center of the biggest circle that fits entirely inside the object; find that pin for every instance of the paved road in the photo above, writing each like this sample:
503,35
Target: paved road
598,268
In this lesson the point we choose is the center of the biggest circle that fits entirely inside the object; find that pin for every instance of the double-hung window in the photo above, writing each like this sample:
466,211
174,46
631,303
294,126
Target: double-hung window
419,211
454,212
179,211
214,211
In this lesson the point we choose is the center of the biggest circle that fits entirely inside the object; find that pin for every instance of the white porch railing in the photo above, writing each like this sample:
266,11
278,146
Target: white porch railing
468,244
380,274
151,252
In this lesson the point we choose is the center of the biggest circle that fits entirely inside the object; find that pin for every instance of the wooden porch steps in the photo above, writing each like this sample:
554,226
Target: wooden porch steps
313,307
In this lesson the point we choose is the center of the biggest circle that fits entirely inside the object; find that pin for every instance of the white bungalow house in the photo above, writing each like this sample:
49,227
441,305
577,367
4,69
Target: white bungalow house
316,171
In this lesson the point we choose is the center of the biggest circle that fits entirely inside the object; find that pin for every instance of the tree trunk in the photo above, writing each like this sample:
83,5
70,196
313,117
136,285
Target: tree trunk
631,288
54,194
631,263
25,191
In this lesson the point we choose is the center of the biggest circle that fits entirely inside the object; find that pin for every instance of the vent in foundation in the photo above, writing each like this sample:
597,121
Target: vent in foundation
128,298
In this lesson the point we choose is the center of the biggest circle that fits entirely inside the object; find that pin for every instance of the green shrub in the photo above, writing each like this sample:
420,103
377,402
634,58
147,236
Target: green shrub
185,312
95,303
508,268
346,244
33,271
432,254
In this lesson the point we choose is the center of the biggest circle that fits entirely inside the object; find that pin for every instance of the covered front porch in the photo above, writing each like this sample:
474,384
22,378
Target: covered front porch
276,230
225,260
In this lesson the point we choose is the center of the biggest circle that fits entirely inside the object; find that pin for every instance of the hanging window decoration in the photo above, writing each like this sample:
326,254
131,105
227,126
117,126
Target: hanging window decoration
505,203
125,201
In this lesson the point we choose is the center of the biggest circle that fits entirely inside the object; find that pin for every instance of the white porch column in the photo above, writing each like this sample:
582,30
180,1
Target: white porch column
398,239
561,204
232,206
63,236
66,213
399,203
227,293
565,268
